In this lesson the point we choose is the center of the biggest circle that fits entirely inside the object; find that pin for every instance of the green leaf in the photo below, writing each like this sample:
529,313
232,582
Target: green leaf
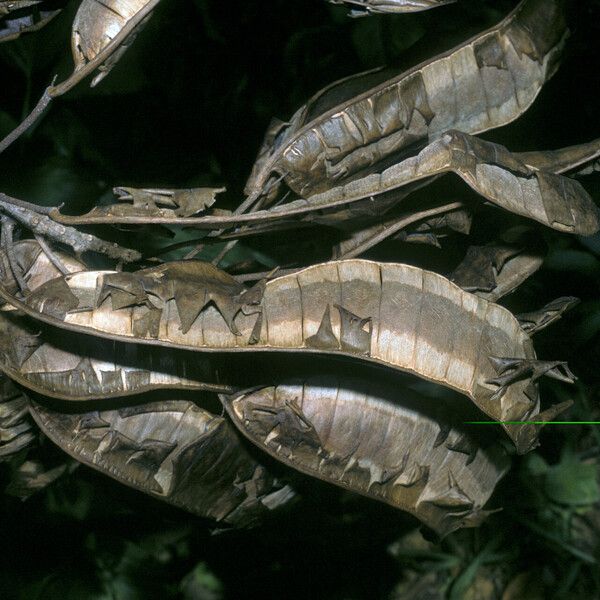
572,482
535,465
464,581
201,583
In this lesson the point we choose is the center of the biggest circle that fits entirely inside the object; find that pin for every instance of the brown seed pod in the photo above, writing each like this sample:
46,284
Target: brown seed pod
366,7
508,180
16,431
496,270
490,169
172,450
393,315
33,265
167,449
96,24
485,83
382,441
75,367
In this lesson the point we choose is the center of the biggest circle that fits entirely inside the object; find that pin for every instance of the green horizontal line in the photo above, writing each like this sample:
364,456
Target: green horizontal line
532,422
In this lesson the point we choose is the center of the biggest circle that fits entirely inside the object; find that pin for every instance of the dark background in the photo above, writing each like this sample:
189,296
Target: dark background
187,106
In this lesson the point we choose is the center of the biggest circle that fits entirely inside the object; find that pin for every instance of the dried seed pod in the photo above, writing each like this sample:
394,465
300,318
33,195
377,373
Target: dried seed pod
490,169
161,203
365,7
167,449
394,315
96,24
564,159
16,432
156,205
34,266
427,231
535,321
75,367
496,270
500,176
484,83
172,450
385,442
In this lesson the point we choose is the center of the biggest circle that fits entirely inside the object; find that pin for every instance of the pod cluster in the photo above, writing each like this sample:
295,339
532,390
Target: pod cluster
169,344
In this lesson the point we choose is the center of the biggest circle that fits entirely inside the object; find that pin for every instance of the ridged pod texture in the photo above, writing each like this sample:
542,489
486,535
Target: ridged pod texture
393,315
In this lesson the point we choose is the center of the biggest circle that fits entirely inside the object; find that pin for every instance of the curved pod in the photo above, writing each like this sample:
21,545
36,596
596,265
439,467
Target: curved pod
361,7
385,443
393,315
172,450
96,24
485,83
75,367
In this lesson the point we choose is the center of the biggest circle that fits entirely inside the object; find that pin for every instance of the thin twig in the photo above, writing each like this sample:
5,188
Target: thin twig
53,91
52,256
241,209
80,242
228,246
42,210
397,226
175,246
248,203
363,247
266,274
31,118
8,226
100,58
266,228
